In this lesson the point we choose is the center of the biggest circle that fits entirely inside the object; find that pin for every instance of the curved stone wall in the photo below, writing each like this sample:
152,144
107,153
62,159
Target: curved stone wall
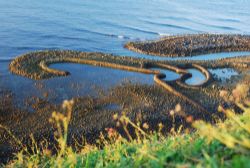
190,45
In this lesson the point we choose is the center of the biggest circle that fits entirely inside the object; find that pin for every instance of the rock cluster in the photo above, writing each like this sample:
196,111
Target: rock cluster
190,45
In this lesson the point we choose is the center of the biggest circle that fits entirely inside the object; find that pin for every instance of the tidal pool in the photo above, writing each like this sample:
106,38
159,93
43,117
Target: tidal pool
223,73
197,77
88,79
42,25
170,75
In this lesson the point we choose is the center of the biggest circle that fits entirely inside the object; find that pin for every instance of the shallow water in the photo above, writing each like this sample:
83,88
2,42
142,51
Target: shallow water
197,77
223,73
170,75
105,26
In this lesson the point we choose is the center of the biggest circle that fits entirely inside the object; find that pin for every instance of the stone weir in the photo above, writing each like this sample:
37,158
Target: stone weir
190,45
35,65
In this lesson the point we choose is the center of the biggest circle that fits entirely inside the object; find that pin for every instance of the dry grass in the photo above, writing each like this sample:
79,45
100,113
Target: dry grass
226,144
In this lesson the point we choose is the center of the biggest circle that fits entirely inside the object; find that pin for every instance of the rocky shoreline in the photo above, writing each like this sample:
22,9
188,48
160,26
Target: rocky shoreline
191,45
150,104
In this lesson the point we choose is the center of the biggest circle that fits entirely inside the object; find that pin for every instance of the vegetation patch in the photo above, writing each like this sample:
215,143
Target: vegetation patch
225,144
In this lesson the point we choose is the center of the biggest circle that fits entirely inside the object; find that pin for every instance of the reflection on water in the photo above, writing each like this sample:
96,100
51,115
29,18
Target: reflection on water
98,76
84,80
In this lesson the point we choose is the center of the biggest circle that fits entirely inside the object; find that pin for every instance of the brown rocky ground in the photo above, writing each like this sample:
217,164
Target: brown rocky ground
190,45
148,103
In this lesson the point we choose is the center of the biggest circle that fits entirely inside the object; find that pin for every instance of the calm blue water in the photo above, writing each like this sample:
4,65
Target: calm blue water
105,26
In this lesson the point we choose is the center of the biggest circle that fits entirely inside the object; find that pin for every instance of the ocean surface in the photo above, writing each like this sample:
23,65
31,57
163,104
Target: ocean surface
104,26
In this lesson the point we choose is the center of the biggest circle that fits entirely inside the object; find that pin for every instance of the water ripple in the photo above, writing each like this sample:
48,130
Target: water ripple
5,59
172,26
102,34
79,38
231,20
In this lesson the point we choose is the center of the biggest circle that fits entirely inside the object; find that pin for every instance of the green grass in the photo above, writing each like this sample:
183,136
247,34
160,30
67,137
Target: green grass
226,144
